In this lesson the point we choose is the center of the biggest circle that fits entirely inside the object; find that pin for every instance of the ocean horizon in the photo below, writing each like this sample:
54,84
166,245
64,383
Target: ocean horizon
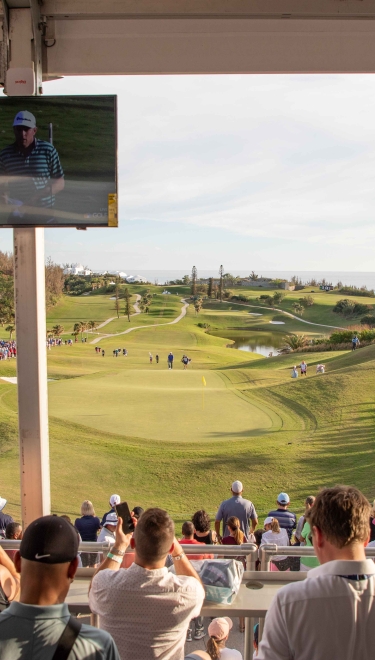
353,278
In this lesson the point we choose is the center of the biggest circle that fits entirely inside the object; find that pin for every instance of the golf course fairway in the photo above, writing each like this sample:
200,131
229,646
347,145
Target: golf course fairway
178,438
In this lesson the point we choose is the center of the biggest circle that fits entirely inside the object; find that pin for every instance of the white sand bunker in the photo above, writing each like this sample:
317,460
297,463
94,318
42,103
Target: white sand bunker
277,322
254,314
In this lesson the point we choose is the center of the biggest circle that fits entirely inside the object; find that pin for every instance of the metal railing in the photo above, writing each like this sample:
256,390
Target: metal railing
267,551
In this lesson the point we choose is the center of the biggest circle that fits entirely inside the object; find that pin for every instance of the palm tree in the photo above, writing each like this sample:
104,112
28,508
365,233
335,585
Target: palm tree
298,308
92,325
117,300
10,329
296,341
76,331
198,303
58,330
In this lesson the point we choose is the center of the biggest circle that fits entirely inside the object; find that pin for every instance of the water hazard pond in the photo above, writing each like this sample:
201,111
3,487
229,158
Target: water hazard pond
260,342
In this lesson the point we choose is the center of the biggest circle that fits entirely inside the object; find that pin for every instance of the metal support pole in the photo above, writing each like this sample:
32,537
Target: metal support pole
29,291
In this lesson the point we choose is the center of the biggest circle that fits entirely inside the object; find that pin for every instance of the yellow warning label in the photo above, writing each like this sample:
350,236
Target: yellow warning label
112,210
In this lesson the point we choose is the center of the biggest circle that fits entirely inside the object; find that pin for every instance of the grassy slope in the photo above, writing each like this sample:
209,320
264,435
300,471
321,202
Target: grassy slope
123,425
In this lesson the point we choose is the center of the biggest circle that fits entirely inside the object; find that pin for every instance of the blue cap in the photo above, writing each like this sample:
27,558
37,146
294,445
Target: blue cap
283,498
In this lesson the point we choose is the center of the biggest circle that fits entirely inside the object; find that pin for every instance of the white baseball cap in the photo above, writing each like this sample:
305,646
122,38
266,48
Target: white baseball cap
24,118
111,519
3,502
237,487
268,520
114,499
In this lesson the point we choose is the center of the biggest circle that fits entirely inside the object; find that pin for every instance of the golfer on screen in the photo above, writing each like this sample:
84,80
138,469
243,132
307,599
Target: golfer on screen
30,174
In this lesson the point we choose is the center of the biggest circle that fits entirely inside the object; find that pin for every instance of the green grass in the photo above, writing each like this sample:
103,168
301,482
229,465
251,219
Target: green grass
125,425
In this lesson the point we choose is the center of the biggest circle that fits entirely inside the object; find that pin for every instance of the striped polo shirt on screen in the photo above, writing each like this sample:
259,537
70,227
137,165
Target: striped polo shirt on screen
287,519
30,172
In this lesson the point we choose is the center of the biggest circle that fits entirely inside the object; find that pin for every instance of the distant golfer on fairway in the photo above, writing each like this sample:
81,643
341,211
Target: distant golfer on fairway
30,173
170,360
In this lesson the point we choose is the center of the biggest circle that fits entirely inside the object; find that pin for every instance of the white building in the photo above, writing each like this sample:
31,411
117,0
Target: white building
132,279
77,269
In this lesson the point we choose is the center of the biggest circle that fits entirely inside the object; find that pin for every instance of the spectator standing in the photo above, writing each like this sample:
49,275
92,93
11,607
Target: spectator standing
13,532
88,526
4,518
287,520
331,614
188,538
294,372
236,506
33,627
170,360
147,608
218,631
303,367
308,562
309,501
355,342
113,500
202,526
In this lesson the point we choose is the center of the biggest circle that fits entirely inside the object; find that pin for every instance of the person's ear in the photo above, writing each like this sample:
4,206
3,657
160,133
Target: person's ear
72,568
17,561
171,549
132,543
318,537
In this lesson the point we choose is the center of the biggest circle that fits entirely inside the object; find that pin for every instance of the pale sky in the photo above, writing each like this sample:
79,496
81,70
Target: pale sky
263,172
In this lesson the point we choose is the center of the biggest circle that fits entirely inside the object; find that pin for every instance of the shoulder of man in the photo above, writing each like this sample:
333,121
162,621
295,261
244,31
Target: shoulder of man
188,584
101,640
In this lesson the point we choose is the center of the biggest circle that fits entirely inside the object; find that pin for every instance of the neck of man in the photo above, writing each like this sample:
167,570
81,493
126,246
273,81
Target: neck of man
352,552
42,592
148,565
189,538
282,506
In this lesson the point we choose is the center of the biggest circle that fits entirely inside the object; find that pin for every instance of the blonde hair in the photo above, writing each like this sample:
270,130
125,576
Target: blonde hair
234,524
87,508
213,647
275,527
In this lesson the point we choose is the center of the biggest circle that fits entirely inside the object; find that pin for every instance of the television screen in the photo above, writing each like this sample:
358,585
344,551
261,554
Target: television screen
58,161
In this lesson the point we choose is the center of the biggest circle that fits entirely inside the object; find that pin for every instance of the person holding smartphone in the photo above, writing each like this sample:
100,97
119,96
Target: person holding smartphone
146,608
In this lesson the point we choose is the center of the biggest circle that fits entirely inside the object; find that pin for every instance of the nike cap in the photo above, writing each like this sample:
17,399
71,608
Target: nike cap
114,499
50,540
25,118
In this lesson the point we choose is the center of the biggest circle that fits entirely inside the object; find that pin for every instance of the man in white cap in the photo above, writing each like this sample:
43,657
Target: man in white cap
107,533
113,500
30,174
236,506
4,518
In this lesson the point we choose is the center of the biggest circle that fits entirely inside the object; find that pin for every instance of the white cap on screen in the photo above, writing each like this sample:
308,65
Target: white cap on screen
25,118
237,487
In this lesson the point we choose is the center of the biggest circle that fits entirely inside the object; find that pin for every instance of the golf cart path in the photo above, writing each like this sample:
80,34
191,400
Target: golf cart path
292,316
113,318
138,327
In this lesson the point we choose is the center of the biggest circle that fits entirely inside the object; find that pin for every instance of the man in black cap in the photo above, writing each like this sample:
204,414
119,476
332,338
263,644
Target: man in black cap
39,626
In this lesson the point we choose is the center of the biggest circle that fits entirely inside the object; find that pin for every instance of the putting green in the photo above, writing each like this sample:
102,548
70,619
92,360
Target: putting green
159,405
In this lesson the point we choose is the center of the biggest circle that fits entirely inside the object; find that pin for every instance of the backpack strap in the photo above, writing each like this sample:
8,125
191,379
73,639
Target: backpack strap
67,639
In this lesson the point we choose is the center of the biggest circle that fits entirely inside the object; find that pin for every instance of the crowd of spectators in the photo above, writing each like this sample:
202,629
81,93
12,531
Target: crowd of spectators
8,349
149,611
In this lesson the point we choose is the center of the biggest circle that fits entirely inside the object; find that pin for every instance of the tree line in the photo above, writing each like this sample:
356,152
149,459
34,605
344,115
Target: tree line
54,281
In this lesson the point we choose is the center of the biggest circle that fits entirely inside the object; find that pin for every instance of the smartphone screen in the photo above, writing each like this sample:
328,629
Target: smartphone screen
124,512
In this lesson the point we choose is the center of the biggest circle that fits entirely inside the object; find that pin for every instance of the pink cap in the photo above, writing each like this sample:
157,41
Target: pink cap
220,627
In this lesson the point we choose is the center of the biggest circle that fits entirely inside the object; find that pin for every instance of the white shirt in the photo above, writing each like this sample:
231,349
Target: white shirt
325,616
106,536
280,538
230,654
146,611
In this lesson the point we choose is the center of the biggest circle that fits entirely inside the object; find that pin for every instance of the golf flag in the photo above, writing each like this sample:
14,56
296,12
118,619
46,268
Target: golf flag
204,381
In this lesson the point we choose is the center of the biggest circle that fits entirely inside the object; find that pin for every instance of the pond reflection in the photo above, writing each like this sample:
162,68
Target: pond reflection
262,343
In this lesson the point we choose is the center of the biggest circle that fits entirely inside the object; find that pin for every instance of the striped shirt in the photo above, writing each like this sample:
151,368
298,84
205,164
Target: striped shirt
25,174
287,519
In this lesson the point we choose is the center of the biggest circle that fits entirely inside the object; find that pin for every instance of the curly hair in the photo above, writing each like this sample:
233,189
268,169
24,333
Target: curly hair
201,521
